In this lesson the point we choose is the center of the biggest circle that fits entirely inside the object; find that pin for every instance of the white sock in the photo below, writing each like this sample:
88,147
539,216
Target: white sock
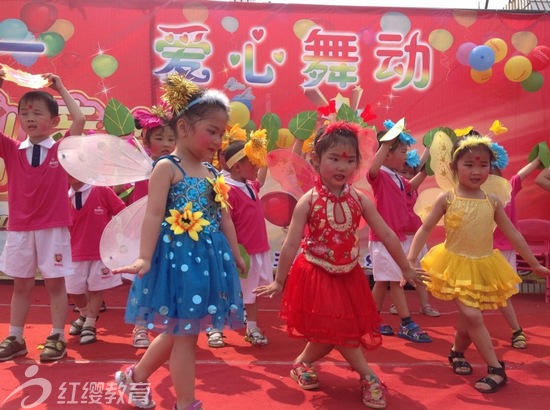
17,332
90,322
61,333
250,325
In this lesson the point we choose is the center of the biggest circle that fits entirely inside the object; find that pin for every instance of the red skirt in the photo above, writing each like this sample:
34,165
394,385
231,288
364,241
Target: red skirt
330,308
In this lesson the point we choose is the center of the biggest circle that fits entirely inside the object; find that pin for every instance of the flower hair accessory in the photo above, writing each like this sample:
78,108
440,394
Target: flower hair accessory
158,116
255,150
501,157
236,133
341,127
413,159
404,137
179,92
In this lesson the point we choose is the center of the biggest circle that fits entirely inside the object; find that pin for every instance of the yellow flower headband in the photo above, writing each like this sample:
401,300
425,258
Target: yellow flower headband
471,142
179,91
255,150
236,133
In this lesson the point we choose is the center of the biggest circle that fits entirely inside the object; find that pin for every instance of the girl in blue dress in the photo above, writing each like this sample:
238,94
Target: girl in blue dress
187,279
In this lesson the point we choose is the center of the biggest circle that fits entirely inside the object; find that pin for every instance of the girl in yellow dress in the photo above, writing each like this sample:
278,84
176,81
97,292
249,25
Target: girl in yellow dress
465,268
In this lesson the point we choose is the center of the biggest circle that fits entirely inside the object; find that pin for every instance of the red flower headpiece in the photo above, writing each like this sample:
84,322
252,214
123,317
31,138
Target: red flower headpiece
158,116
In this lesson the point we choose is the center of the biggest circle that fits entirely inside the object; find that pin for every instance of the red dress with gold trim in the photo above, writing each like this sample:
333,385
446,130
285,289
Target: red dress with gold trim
327,297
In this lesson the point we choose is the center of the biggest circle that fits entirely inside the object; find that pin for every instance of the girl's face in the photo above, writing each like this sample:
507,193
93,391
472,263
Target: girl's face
204,138
161,141
36,119
473,169
396,158
337,166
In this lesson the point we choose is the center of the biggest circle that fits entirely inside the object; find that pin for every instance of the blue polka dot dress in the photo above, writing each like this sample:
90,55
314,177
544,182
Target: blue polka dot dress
193,285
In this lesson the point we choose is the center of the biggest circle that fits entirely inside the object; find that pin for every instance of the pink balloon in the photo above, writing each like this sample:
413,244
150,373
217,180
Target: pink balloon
539,57
463,52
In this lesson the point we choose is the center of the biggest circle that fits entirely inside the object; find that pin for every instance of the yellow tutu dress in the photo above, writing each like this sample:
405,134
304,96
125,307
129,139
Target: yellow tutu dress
466,266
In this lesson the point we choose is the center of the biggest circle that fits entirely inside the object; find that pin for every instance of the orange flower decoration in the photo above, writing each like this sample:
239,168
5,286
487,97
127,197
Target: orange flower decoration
186,221
222,190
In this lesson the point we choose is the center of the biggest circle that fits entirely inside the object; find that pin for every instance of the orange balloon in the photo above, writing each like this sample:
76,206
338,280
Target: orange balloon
481,77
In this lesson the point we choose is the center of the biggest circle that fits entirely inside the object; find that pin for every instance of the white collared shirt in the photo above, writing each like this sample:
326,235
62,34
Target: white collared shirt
44,147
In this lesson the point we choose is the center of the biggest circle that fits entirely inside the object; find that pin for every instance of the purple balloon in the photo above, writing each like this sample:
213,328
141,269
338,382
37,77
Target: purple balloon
463,53
481,58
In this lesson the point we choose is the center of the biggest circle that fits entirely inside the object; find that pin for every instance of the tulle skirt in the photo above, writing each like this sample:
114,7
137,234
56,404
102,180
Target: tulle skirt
330,308
484,283
192,286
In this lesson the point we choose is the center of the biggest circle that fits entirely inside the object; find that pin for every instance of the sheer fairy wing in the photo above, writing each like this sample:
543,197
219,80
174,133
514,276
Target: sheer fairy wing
425,202
498,186
119,244
293,172
440,154
104,160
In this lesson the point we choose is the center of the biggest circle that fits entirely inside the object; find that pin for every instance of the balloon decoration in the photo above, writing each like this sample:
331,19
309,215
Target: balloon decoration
238,114
395,22
481,58
13,29
481,77
499,47
463,52
533,83
524,41
230,24
70,59
195,12
64,28
539,57
465,17
517,69
278,208
38,16
302,27
441,40
285,138
54,43
104,65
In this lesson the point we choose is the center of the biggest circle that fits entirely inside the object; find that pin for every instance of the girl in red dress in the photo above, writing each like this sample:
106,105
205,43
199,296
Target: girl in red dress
327,298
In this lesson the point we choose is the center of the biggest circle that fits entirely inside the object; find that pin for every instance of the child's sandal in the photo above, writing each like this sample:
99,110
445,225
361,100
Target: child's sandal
494,386
519,341
374,392
215,339
458,361
305,375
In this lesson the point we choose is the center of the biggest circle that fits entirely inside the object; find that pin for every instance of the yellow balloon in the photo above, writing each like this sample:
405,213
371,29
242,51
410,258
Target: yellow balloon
238,113
441,40
481,76
517,69
285,138
524,41
195,12
302,27
500,48
63,27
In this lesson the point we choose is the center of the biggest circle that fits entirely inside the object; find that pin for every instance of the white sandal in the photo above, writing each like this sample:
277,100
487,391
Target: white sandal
215,339
256,338
141,338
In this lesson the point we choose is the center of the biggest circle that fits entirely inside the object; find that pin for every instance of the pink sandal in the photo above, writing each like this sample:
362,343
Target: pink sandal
374,392
196,405
305,375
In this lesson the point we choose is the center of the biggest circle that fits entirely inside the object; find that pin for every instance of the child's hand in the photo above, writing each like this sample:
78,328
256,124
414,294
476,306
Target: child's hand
55,81
270,290
415,276
241,264
139,267
541,270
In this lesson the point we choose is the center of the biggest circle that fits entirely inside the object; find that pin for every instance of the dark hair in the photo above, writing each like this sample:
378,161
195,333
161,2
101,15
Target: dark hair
31,96
200,106
233,148
457,152
334,134
394,144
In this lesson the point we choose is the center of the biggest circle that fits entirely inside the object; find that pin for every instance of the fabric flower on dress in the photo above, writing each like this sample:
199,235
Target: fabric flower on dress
222,190
187,221
453,220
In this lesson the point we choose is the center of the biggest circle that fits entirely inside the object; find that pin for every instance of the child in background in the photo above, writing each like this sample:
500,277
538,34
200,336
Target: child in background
38,233
390,194
159,139
187,280
465,268
244,160
327,298
92,209
413,166
500,242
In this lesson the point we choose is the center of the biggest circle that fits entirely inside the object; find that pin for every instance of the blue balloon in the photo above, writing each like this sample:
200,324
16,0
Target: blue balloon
481,58
25,59
13,29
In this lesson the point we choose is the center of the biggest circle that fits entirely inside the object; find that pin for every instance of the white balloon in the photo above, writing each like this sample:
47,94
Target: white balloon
395,22
231,24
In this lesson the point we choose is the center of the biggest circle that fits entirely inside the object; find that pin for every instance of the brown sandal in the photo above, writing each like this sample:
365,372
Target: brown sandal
458,361
489,381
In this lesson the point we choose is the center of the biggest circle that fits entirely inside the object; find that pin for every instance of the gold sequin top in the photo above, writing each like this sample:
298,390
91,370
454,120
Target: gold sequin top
469,225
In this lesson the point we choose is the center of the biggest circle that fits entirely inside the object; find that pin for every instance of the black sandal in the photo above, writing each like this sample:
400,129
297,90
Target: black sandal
494,386
458,361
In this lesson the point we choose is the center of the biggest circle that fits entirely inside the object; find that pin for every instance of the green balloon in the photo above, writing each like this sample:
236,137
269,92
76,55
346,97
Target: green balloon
54,43
533,83
104,65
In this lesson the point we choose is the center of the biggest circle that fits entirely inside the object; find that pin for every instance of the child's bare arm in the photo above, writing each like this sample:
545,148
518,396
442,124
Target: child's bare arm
543,179
78,118
527,169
